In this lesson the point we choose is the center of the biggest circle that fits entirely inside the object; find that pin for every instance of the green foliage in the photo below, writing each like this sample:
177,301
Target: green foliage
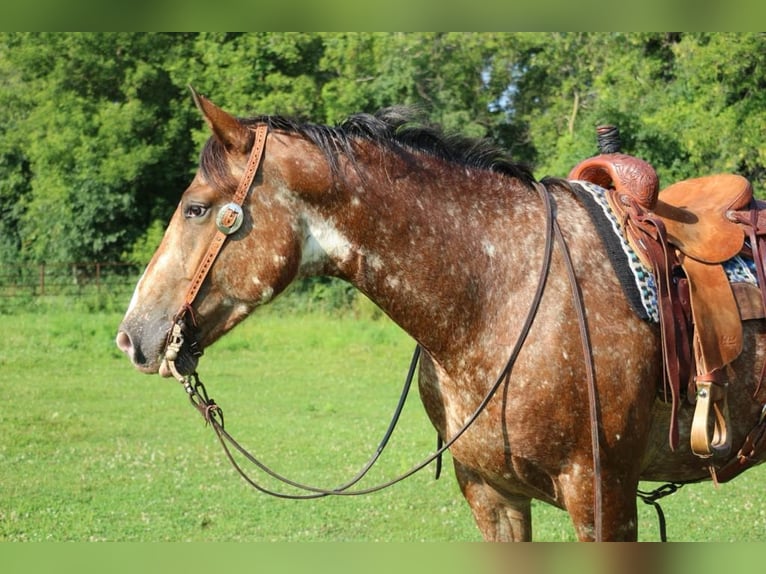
690,104
98,135
97,138
142,250
318,294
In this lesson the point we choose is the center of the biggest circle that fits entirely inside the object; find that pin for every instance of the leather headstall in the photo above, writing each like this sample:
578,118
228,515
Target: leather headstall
228,220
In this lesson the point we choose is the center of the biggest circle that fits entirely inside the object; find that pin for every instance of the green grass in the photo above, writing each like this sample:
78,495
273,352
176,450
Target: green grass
93,450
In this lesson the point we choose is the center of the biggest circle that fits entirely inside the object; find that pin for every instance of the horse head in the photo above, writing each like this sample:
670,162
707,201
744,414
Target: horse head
260,255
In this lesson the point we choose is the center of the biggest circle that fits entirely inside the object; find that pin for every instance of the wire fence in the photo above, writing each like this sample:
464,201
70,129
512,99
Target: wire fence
108,286
68,279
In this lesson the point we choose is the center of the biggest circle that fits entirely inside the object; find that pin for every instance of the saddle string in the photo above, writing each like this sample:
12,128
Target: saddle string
673,332
755,235
211,411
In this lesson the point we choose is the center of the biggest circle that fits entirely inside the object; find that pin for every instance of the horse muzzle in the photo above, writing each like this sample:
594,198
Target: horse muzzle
150,357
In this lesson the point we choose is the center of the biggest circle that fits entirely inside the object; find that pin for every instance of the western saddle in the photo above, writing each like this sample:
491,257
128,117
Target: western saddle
684,234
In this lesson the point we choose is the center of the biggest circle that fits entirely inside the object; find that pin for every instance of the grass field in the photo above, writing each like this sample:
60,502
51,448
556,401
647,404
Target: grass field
93,450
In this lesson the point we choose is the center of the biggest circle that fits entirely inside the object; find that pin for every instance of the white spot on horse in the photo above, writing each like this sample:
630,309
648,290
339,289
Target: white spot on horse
267,295
488,248
393,282
324,241
375,262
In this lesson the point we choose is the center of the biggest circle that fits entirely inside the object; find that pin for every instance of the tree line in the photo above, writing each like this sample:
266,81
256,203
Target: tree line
98,134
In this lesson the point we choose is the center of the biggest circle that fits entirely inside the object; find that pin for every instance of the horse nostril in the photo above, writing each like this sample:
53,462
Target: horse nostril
124,343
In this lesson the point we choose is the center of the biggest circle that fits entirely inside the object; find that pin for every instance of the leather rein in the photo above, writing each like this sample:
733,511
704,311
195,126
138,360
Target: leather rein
229,220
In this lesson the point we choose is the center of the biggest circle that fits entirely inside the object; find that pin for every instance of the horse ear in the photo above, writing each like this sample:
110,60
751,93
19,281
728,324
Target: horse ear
226,128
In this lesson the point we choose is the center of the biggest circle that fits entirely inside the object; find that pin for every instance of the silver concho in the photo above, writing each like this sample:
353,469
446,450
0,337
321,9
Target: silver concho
223,212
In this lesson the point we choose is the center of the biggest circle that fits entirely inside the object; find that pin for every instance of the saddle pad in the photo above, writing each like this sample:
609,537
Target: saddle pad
636,279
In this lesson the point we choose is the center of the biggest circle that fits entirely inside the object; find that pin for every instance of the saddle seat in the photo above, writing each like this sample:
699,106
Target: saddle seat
696,215
684,234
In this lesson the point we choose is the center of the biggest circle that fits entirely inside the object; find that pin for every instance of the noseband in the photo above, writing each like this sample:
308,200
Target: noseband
228,220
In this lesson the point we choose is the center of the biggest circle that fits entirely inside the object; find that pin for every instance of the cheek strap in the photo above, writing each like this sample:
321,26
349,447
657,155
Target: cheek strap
228,220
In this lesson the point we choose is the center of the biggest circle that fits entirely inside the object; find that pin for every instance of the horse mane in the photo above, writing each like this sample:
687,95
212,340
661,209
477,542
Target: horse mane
398,128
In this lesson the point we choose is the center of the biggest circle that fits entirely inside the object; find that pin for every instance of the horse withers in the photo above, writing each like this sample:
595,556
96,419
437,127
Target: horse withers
453,241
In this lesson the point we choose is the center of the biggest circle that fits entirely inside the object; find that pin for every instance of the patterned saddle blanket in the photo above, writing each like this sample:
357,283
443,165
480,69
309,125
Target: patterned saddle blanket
636,279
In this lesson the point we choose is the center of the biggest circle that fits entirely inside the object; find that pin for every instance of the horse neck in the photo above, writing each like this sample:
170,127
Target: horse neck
436,247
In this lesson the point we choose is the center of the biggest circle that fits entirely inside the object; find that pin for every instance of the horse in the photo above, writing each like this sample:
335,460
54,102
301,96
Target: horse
452,240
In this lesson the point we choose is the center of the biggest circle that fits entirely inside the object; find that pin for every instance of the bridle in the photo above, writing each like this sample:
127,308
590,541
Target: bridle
229,219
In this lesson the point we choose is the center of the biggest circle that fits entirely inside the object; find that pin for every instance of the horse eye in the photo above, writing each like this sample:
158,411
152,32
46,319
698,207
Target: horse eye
194,210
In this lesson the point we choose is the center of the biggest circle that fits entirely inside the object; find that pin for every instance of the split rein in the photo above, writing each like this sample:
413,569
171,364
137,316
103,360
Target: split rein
229,220
213,416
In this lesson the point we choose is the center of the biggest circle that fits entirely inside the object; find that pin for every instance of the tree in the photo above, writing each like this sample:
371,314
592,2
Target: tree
454,77
98,136
690,104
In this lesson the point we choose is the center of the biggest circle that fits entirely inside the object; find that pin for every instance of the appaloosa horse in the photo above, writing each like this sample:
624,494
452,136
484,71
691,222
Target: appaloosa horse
448,237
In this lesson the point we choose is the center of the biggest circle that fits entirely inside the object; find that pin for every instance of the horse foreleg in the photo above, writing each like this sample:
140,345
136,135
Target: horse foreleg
500,518
619,518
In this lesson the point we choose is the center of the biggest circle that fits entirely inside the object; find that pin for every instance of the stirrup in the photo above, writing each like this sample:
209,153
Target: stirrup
710,393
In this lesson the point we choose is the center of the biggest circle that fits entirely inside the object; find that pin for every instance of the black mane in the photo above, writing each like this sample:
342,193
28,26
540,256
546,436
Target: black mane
395,127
